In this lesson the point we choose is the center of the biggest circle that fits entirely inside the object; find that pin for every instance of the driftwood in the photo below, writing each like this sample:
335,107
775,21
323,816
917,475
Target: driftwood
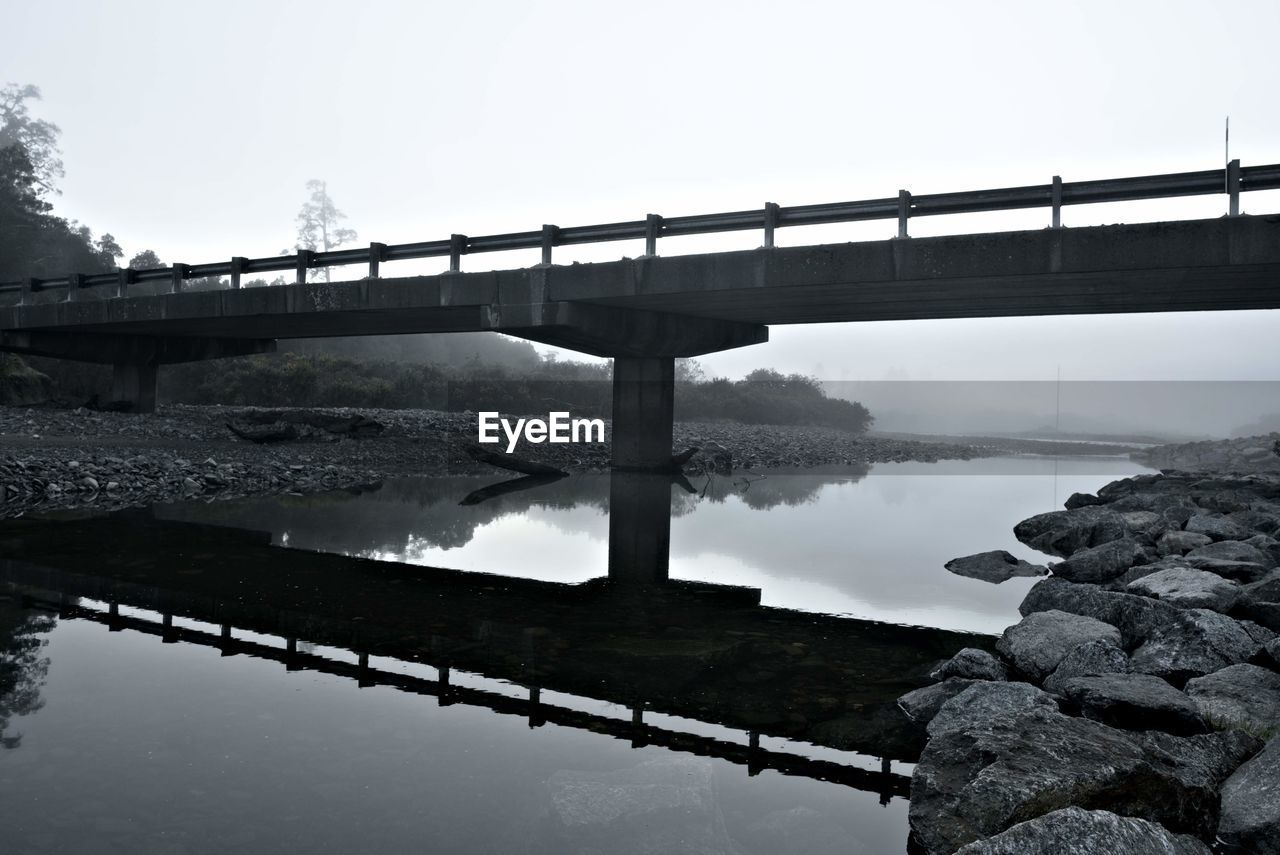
678,460
510,461
502,488
356,425
276,432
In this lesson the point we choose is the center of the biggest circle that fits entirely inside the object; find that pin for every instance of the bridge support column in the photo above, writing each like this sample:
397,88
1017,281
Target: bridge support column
639,527
135,382
643,409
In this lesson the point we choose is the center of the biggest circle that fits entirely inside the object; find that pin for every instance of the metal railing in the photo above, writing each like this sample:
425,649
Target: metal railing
1233,180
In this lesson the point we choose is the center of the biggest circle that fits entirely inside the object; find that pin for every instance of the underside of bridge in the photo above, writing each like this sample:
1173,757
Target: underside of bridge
645,312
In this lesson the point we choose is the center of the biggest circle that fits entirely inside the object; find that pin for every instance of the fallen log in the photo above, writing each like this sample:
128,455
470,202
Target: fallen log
510,461
277,432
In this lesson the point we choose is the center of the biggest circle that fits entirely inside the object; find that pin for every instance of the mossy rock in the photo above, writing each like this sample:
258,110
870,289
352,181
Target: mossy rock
21,385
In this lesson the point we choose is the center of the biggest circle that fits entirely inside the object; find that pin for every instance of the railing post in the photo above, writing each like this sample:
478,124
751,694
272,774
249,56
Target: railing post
652,225
548,241
904,211
770,222
457,247
1233,188
75,281
179,275
237,268
124,278
1057,201
305,259
377,253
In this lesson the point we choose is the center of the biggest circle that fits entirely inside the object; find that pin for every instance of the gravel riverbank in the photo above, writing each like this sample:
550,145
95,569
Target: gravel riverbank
53,459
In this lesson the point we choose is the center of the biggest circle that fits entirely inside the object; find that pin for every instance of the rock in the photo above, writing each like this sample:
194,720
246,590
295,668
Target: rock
973,783
973,664
1133,702
1233,550
1200,762
1196,643
89,482
1095,657
1241,696
981,704
1187,588
1074,831
1146,526
1181,542
922,705
1081,500
1063,533
1250,820
1240,571
1100,563
1136,617
1036,644
994,566
1257,520
1273,650
1266,544
1216,527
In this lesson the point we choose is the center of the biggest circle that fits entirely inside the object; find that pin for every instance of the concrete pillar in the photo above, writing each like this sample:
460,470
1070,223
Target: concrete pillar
135,382
639,528
643,408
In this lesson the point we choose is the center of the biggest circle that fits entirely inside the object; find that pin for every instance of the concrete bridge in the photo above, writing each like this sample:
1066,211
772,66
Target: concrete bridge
645,312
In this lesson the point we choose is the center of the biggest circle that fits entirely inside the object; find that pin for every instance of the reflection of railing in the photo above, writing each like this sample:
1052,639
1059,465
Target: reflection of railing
1233,180
636,731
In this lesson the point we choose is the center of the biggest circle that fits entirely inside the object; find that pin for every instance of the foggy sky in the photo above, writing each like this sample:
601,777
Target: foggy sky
191,129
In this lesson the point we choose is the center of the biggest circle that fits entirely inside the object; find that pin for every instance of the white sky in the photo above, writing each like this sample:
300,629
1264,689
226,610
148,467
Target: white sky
191,128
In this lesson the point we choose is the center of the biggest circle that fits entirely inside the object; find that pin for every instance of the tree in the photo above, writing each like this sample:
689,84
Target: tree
318,221
146,260
37,137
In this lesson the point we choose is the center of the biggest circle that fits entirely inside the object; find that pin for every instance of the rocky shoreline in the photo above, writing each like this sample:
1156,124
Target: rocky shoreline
57,459
1135,708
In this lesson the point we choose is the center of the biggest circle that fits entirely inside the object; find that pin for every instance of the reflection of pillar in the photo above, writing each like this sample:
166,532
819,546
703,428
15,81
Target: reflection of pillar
639,527
643,407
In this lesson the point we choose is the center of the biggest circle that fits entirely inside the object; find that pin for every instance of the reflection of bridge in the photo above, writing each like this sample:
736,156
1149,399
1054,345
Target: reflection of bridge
644,312
696,651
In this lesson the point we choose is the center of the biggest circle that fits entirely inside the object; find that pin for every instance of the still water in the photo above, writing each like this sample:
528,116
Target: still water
595,664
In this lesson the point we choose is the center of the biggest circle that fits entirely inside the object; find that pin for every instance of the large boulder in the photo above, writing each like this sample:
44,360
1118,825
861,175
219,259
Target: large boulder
1101,563
972,664
1264,590
1251,805
1233,550
971,783
1195,643
1036,644
1217,527
995,566
1136,617
1063,533
1188,588
1095,657
1243,696
982,704
1133,702
922,705
1074,831
1181,542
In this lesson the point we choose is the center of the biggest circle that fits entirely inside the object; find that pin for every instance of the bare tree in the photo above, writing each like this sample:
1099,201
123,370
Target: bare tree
318,221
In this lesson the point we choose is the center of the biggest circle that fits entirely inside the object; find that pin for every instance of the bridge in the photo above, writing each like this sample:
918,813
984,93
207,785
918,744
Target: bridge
645,312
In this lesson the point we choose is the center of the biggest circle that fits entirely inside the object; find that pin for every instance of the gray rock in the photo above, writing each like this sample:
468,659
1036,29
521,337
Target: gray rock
1264,590
1146,526
1257,520
1134,702
1095,657
1074,831
1062,533
973,664
1240,571
922,705
1217,527
1204,761
1196,643
1251,805
1136,617
981,704
1267,544
1101,563
1181,542
1265,613
972,783
1081,500
1187,588
1233,550
1242,696
1036,644
994,566
1273,650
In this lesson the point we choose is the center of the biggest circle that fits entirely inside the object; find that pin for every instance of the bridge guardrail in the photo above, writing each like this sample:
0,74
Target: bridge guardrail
1233,180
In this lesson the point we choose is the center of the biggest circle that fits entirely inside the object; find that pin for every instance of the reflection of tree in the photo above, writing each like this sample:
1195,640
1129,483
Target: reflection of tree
22,668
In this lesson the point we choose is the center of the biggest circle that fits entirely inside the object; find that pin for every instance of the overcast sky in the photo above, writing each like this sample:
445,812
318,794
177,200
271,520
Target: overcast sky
192,128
